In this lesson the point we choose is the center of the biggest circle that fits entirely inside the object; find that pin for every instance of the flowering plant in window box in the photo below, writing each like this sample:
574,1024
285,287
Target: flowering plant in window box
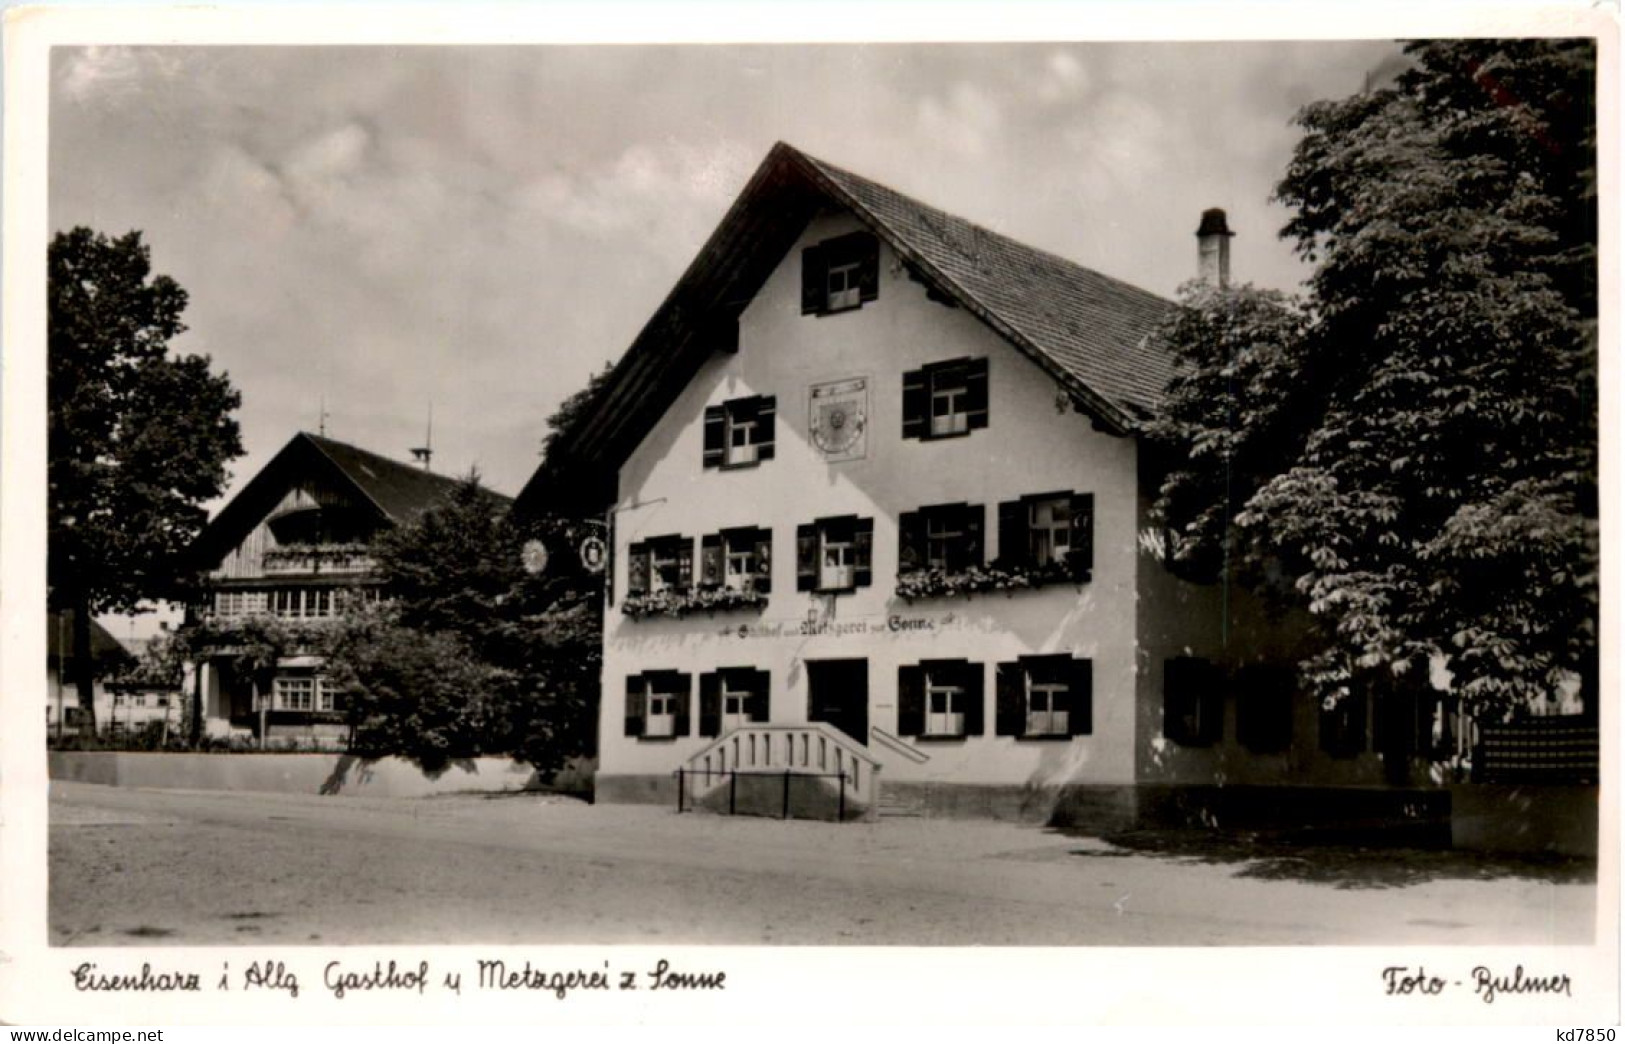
1009,577
698,600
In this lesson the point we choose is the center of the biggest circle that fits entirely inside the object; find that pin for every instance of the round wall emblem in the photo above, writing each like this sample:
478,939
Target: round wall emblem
593,554
533,556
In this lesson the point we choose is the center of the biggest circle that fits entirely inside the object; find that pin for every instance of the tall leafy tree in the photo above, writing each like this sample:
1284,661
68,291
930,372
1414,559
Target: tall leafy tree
485,640
1410,451
139,437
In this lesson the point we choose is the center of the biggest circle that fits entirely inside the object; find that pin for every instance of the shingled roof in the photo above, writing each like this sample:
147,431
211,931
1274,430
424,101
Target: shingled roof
398,492
1090,332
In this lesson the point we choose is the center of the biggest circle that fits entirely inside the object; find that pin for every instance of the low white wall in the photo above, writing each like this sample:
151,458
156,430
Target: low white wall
334,774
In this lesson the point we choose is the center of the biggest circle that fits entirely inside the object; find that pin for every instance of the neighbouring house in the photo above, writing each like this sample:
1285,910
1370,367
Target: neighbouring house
280,559
881,535
107,657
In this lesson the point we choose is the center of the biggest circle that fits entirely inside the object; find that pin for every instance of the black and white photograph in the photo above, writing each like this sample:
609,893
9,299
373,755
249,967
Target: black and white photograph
654,508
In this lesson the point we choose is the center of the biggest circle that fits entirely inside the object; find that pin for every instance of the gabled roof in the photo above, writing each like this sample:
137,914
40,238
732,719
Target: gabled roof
104,648
394,491
1088,331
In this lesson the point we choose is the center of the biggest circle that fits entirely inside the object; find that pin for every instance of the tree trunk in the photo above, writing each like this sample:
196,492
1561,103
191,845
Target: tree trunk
254,689
84,664
195,727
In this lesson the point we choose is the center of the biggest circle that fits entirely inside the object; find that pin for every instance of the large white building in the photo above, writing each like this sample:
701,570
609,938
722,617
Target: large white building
879,507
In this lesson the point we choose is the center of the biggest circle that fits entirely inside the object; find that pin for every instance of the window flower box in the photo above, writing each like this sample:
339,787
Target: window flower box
675,603
1008,577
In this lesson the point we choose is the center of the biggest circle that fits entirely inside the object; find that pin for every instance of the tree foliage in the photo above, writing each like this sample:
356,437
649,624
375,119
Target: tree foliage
469,652
138,438
1412,446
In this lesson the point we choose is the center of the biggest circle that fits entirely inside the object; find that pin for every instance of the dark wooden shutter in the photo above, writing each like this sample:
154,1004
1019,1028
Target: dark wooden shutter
974,518
711,571
685,562
637,569
814,280
636,703
916,404
863,542
975,371
807,557
766,410
910,541
974,697
711,704
1010,700
683,683
910,700
764,560
759,707
868,255
1082,555
1014,544
1080,714
716,437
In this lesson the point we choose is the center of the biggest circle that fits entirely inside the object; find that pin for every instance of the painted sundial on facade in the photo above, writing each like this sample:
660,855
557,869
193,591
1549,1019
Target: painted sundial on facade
838,418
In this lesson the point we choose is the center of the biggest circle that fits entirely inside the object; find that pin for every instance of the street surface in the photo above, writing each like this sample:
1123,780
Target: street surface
148,867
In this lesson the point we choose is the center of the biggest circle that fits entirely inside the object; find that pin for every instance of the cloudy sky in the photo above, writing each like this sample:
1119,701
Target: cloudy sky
480,228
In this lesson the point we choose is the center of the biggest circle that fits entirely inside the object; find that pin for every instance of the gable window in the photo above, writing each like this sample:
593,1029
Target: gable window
840,274
657,704
1046,697
737,560
939,699
660,564
732,698
1192,701
945,399
1051,532
739,433
947,537
834,554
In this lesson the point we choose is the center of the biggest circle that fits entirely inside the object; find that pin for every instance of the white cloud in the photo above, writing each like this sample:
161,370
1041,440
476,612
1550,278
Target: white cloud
1063,76
966,121
113,73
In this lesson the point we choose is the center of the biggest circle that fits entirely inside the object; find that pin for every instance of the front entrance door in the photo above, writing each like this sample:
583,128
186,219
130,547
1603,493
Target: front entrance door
838,693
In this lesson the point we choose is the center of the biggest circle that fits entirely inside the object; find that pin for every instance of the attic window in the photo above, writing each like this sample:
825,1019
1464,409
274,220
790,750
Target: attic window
840,274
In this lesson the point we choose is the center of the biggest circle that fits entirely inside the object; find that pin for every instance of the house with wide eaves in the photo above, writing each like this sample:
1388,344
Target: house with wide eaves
880,533
280,558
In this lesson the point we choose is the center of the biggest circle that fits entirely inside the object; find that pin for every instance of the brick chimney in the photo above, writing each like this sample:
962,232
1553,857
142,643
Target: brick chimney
1213,249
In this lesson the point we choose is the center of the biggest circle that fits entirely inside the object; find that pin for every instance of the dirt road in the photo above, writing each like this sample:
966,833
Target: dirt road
152,867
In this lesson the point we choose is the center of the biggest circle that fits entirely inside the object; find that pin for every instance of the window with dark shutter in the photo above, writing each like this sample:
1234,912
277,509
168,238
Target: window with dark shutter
945,399
715,449
835,554
1192,702
840,274
863,542
638,565
739,433
1082,711
807,557
711,704
1045,697
636,690
764,560
944,537
681,687
1010,700
1264,707
916,404
910,700
1081,556
711,562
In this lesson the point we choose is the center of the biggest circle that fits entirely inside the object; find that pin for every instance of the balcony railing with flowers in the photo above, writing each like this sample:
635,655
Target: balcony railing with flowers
1005,576
317,558
684,602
